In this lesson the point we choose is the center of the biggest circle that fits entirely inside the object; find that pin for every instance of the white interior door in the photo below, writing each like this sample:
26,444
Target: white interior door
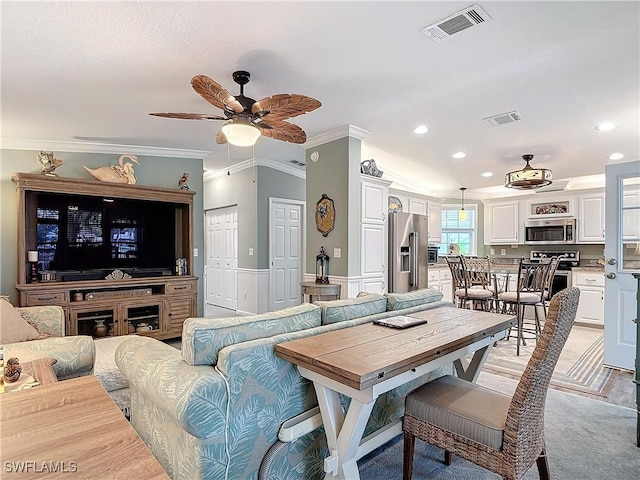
622,257
222,257
286,252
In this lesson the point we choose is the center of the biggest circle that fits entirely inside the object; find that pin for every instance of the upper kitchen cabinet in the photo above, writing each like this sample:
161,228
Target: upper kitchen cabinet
400,200
591,218
375,201
501,222
435,222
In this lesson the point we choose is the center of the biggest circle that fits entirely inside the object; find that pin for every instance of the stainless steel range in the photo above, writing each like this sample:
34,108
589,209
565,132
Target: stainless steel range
568,260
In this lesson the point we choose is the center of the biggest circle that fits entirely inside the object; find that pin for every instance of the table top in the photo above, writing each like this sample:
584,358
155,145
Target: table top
364,355
75,425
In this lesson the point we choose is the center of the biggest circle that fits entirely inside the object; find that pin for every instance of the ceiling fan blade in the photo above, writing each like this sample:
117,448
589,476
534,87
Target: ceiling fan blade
220,137
283,106
215,94
190,116
285,131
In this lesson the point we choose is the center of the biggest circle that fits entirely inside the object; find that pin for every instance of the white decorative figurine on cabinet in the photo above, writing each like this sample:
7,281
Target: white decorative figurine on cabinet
121,173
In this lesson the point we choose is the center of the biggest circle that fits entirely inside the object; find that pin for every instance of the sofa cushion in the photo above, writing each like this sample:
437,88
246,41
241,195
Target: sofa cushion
365,304
13,327
202,338
398,301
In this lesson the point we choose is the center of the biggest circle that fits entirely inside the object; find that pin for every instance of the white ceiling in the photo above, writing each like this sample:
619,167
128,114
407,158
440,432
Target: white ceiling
92,71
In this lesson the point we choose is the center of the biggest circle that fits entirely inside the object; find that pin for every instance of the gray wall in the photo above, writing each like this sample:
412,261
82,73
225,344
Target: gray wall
152,171
337,174
252,200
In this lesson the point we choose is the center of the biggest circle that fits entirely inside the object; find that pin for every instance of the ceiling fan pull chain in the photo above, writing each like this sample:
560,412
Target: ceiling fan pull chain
228,161
253,155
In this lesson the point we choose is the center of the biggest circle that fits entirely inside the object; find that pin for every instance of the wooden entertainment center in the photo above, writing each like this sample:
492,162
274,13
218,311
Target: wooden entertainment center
154,305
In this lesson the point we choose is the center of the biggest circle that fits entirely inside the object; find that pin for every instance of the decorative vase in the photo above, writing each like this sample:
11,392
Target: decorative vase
100,329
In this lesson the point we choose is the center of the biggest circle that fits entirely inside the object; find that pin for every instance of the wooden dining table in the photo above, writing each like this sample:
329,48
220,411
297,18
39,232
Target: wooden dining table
365,361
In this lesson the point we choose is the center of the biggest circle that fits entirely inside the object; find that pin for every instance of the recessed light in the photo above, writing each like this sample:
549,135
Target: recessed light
487,174
605,126
616,156
459,155
422,129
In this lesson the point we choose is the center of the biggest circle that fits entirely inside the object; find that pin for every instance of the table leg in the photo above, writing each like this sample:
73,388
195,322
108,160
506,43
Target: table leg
471,372
343,432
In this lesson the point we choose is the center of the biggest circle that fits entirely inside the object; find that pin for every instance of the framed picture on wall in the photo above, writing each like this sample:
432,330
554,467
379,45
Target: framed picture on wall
325,215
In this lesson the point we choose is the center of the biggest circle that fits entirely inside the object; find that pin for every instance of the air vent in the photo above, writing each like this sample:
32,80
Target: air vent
503,118
443,29
554,187
296,162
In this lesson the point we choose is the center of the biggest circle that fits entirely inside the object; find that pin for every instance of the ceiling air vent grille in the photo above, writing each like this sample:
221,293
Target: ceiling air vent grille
503,118
469,17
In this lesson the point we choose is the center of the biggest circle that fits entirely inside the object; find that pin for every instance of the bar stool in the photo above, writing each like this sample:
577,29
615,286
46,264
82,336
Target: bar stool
532,280
463,288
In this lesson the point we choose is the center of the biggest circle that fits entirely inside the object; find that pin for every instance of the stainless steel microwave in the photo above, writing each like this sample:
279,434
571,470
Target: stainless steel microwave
550,231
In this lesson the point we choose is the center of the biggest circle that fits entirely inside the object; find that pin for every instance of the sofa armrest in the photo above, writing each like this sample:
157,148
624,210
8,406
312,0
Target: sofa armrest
195,397
75,355
48,318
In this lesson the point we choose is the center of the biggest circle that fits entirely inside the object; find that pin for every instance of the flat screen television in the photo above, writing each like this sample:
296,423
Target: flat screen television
82,237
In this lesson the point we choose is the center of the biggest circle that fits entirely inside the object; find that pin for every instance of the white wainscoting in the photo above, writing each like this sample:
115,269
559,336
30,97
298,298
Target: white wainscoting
253,290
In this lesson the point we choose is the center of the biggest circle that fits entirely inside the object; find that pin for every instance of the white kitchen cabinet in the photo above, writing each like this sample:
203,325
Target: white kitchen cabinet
418,206
591,305
375,200
373,234
501,223
440,279
591,218
435,222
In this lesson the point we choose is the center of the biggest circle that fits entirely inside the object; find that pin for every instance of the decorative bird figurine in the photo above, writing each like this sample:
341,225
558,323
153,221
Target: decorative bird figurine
121,173
183,182
49,163
12,370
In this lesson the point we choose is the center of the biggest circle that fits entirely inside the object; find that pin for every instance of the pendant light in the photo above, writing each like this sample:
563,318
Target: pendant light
528,178
462,213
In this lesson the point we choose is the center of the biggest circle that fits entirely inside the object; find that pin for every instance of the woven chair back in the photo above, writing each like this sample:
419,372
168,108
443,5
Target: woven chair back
524,431
478,270
458,273
532,277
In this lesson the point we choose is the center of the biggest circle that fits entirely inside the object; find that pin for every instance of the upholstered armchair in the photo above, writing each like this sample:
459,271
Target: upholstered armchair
38,332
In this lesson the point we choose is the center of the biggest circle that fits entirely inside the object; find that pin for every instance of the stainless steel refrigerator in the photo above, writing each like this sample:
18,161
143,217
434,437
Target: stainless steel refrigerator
408,257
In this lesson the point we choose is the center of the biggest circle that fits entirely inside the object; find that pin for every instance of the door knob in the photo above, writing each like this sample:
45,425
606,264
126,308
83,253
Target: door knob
612,261
611,275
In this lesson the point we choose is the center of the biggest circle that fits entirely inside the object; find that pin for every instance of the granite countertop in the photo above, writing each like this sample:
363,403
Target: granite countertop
592,268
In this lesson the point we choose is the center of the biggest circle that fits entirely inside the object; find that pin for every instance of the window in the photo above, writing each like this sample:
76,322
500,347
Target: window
458,232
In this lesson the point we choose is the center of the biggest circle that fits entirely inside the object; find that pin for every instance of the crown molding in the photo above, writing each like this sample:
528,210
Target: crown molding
346,131
260,162
88,147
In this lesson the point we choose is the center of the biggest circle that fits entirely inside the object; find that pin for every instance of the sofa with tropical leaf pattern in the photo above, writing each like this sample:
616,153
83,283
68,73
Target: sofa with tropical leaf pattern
75,355
213,409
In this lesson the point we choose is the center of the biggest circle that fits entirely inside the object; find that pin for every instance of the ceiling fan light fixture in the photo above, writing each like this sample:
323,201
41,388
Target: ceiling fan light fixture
528,178
241,134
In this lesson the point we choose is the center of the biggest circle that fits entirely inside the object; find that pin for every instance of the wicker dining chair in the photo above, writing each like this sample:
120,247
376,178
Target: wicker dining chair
462,287
497,432
530,291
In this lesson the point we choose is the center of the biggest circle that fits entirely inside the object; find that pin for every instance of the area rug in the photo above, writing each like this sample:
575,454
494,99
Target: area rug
580,367
586,440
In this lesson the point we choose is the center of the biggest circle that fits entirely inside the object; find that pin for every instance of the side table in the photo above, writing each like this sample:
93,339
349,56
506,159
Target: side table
321,291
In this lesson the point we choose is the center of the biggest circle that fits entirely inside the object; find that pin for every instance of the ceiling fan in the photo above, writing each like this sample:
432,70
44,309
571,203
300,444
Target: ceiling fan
247,118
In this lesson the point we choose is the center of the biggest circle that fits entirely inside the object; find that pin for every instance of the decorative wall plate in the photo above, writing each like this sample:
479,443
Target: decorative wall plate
395,205
325,215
